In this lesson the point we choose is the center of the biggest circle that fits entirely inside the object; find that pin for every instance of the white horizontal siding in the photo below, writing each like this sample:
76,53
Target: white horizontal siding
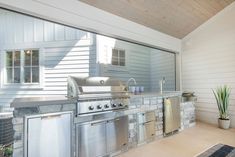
66,51
208,61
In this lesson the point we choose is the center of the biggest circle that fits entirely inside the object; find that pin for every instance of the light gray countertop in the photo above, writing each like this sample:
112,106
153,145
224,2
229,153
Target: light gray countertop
41,101
157,94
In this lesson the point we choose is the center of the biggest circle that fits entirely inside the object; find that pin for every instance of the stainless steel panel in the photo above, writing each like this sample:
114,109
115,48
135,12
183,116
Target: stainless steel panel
48,135
171,114
91,139
146,131
117,134
146,116
79,87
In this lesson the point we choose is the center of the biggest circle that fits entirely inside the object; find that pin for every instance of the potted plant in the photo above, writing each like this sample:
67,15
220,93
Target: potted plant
222,99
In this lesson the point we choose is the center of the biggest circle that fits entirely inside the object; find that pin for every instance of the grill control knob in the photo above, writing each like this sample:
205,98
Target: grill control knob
106,106
99,107
91,107
114,105
120,105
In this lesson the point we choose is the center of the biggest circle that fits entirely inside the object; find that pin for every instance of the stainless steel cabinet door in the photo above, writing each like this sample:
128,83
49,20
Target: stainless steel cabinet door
48,135
91,139
117,134
146,131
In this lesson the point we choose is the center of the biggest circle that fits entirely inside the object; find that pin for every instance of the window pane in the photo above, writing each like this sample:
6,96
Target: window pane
16,75
122,61
27,57
35,57
17,58
122,53
114,61
35,74
9,75
9,59
115,53
27,75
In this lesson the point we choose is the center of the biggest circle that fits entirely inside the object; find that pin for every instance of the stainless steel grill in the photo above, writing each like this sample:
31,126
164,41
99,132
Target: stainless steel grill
97,95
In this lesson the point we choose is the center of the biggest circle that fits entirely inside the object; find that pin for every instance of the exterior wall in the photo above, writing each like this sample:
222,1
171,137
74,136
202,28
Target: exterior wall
208,61
137,61
162,65
65,51
146,65
80,15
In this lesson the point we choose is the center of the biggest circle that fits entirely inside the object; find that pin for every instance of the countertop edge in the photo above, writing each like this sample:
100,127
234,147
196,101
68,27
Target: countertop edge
40,101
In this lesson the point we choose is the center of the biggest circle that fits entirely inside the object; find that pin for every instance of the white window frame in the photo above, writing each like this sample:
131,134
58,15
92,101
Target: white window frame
118,58
21,85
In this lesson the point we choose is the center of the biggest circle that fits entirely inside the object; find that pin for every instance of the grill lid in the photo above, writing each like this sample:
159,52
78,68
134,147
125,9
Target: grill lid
84,88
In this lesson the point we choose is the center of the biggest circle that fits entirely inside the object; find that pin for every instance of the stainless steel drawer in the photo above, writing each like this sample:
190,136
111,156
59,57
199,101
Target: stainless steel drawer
146,117
146,131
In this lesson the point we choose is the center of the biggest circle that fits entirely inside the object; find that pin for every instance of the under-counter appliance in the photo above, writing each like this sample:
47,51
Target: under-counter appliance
171,118
146,126
100,138
48,135
96,95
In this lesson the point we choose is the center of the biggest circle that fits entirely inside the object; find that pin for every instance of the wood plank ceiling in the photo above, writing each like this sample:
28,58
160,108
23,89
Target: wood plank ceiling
174,17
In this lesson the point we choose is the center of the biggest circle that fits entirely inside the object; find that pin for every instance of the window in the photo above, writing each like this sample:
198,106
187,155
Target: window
118,57
22,66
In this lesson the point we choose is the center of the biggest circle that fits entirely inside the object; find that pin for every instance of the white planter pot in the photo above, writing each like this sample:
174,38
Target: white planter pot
224,123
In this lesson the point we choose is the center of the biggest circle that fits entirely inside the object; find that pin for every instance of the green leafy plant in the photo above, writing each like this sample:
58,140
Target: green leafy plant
222,98
8,151
2,149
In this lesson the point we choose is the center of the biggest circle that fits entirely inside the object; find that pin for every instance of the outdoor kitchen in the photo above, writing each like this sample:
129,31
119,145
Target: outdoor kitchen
73,93
106,121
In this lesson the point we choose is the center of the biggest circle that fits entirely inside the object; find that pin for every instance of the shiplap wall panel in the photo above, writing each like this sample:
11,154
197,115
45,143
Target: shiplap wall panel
66,51
208,61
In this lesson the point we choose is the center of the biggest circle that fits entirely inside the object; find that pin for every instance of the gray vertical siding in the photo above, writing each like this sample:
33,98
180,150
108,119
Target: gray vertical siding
66,51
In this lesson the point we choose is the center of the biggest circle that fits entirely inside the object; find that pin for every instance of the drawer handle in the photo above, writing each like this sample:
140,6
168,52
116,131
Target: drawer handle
117,119
97,123
51,116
